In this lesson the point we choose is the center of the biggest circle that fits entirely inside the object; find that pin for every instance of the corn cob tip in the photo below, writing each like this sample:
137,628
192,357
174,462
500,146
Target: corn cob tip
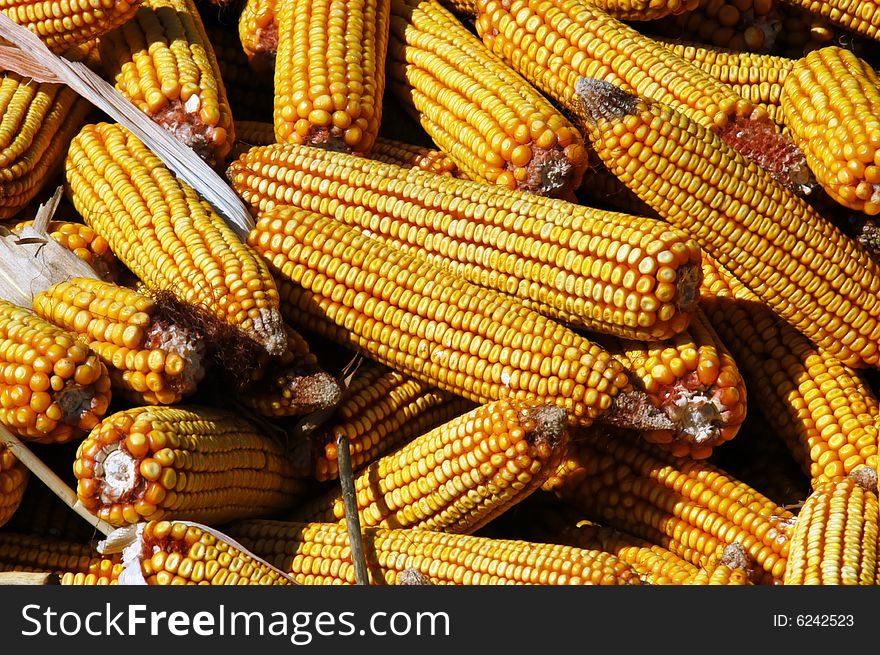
549,425
82,405
687,286
736,556
413,577
865,477
306,388
600,100
268,331
697,413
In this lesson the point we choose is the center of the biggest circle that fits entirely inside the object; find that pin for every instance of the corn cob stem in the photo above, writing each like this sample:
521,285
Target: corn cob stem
147,463
319,553
824,284
607,272
493,124
483,463
436,326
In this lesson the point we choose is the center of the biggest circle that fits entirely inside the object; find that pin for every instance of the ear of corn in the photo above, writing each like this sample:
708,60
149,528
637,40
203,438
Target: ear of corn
162,61
689,507
859,17
831,100
330,72
167,236
428,323
13,481
835,538
643,10
52,389
319,553
43,514
37,122
820,407
744,25
795,260
554,43
63,25
85,243
258,31
695,381
381,410
151,359
76,563
249,92
608,272
460,475
301,388
194,463
494,125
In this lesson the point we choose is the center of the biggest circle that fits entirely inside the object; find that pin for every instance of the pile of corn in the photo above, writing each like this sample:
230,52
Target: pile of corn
589,293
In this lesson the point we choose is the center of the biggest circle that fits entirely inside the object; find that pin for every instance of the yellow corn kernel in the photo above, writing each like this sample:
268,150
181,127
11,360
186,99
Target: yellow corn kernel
76,563
258,31
741,25
82,241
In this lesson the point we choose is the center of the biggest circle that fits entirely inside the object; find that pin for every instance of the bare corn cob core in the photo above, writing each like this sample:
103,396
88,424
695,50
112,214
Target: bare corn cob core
37,122
831,100
76,563
428,323
819,406
607,272
744,25
258,31
52,389
689,507
796,261
85,243
835,538
388,151
172,240
756,77
860,17
292,383
495,126
63,25
150,358
695,381
330,72
162,61
195,463
13,480
179,553
381,410
460,475
319,553
554,42
249,92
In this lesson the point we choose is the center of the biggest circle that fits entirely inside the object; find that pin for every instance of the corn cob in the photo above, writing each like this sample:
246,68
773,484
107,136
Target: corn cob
151,358
835,538
803,32
381,410
82,240
553,43
52,389
258,31
494,125
819,406
63,25
330,72
756,77
76,563
744,25
13,481
543,518
859,17
387,151
686,506
460,475
43,514
830,101
198,463
173,241
792,258
695,381
37,122
462,7
721,574
162,61
249,92
428,323
607,272
180,553
641,10
300,387
318,553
